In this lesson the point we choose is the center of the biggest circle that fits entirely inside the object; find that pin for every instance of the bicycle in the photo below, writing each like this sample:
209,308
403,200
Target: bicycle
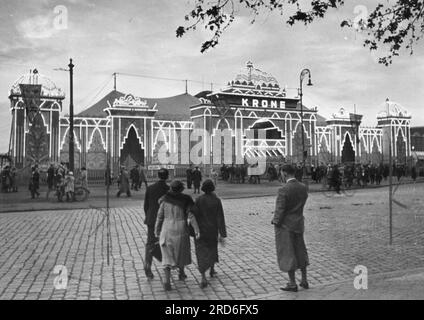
80,193
345,188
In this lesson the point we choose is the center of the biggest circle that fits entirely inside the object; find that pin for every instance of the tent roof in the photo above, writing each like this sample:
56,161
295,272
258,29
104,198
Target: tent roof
169,108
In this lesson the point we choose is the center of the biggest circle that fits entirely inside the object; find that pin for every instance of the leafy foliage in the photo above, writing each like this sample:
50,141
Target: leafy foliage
395,25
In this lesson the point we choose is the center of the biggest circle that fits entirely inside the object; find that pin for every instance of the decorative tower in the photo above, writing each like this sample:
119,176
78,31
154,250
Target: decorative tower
35,104
395,121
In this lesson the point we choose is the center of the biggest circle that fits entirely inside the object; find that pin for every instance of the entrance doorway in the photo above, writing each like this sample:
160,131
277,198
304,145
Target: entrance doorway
132,153
348,154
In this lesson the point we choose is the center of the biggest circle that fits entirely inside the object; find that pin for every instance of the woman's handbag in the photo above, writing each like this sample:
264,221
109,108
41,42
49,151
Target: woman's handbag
156,252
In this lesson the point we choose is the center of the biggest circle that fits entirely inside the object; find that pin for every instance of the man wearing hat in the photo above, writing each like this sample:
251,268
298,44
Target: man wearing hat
289,227
151,205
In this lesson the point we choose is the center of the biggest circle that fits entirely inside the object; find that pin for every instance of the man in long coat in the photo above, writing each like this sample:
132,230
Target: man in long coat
289,228
189,176
151,206
197,179
124,183
143,178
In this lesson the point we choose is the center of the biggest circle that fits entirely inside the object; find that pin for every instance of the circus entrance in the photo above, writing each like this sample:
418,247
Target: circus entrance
265,139
132,152
348,153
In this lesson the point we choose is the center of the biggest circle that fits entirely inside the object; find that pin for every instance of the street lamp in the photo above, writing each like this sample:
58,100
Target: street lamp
71,112
303,74
71,115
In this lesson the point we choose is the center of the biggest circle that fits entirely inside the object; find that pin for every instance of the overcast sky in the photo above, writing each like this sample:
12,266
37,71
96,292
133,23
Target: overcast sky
131,36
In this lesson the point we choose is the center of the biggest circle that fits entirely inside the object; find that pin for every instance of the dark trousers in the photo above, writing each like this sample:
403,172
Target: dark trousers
189,183
151,240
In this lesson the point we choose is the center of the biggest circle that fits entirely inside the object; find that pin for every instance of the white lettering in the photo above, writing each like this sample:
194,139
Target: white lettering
61,281
244,102
359,21
255,103
198,151
175,310
282,104
60,21
185,146
361,280
273,104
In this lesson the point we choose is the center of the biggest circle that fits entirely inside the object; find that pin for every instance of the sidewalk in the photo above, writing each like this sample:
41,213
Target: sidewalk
21,201
399,285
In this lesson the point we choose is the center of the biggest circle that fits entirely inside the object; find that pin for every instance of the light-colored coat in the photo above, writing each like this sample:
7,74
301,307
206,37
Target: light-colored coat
172,230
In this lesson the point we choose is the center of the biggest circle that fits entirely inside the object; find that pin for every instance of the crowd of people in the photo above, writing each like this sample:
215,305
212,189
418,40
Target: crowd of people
358,174
194,178
8,179
132,180
60,180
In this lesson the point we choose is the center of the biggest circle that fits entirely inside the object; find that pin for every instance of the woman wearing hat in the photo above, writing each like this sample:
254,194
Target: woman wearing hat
209,216
172,230
69,186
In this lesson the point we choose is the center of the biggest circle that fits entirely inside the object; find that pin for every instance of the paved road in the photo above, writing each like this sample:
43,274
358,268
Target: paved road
342,232
21,201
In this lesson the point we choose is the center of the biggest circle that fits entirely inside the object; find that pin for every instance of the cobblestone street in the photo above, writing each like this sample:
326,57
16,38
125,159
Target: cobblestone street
341,233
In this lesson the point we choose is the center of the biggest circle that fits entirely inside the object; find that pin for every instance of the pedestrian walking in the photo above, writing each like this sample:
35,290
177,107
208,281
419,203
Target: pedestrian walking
124,183
197,179
151,206
34,184
172,230
209,216
60,186
69,186
13,177
84,179
189,177
135,178
50,179
142,177
243,173
214,176
289,228
414,174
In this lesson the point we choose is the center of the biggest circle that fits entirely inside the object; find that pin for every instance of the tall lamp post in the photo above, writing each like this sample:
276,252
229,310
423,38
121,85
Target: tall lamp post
303,74
390,174
71,115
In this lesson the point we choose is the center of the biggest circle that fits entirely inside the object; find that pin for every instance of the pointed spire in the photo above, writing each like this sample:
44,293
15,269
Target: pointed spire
249,66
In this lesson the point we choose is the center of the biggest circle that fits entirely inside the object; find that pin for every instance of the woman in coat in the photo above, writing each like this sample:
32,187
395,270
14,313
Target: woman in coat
124,183
209,216
69,186
171,228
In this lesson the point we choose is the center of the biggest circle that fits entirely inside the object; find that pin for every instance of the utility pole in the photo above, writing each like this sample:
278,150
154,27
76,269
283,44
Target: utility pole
303,74
390,175
114,81
71,116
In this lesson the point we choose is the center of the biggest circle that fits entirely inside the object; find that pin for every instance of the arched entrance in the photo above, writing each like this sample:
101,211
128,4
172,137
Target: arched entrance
132,153
37,142
265,139
400,149
348,154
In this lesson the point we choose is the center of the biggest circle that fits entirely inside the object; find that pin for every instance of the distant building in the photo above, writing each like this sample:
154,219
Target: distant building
140,130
